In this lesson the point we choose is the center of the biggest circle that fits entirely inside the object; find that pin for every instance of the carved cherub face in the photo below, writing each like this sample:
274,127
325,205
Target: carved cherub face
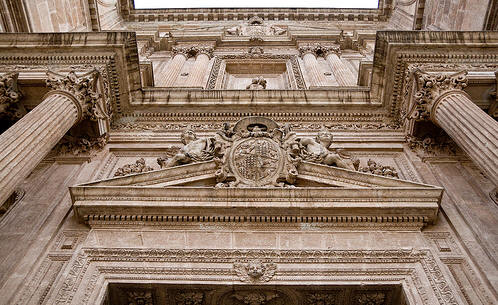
324,137
255,269
188,136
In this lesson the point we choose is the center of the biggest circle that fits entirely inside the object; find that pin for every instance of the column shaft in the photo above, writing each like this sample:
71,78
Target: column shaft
198,71
342,74
315,75
29,140
173,70
472,129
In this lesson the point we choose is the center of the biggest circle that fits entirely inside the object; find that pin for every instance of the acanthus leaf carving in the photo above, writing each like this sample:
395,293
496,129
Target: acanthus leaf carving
83,88
140,297
76,146
189,298
377,169
430,88
10,95
371,298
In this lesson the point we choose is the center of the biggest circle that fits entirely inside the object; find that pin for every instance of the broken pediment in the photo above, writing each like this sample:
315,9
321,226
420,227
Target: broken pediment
257,171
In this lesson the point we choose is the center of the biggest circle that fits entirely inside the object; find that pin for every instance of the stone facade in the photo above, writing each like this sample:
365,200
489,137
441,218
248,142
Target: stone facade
248,156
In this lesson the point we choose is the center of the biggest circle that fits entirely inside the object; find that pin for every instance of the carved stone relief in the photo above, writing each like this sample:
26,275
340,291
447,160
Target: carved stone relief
378,169
138,167
255,271
255,28
10,96
433,145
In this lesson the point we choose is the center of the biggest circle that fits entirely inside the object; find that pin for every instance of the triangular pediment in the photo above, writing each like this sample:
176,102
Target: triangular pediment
345,197
257,171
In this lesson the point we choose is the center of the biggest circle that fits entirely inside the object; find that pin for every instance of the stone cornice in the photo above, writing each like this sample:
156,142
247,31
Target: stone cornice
115,54
396,51
130,14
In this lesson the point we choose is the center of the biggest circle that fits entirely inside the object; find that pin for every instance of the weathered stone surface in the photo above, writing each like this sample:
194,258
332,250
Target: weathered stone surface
328,192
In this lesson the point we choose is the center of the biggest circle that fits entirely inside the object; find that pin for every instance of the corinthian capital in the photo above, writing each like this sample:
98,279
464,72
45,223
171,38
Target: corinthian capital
430,88
10,96
81,89
195,51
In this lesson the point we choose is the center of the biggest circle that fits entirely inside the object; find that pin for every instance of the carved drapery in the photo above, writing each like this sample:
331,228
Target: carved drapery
27,142
440,98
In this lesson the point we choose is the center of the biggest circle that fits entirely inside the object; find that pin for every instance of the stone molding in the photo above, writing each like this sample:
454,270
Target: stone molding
414,268
216,70
130,14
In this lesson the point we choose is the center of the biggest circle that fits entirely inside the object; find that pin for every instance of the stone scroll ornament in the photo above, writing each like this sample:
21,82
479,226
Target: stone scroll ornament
430,88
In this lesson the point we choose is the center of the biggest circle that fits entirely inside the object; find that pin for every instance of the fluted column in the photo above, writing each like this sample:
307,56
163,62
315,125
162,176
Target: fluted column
315,75
172,71
198,71
442,99
27,142
342,74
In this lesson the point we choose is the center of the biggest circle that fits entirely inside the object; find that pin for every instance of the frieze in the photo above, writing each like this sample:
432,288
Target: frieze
437,278
371,298
143,126
140,297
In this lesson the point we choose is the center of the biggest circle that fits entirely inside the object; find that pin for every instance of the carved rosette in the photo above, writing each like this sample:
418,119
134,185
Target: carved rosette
10,96
82,90
431,88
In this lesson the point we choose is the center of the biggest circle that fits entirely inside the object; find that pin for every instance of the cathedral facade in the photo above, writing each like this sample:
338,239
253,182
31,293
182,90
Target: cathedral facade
248,156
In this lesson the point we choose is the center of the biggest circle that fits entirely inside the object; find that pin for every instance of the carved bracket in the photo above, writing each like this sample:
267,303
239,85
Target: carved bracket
10,95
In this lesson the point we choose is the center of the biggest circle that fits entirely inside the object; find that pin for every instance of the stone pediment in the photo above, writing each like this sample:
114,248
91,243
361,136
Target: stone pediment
257,170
